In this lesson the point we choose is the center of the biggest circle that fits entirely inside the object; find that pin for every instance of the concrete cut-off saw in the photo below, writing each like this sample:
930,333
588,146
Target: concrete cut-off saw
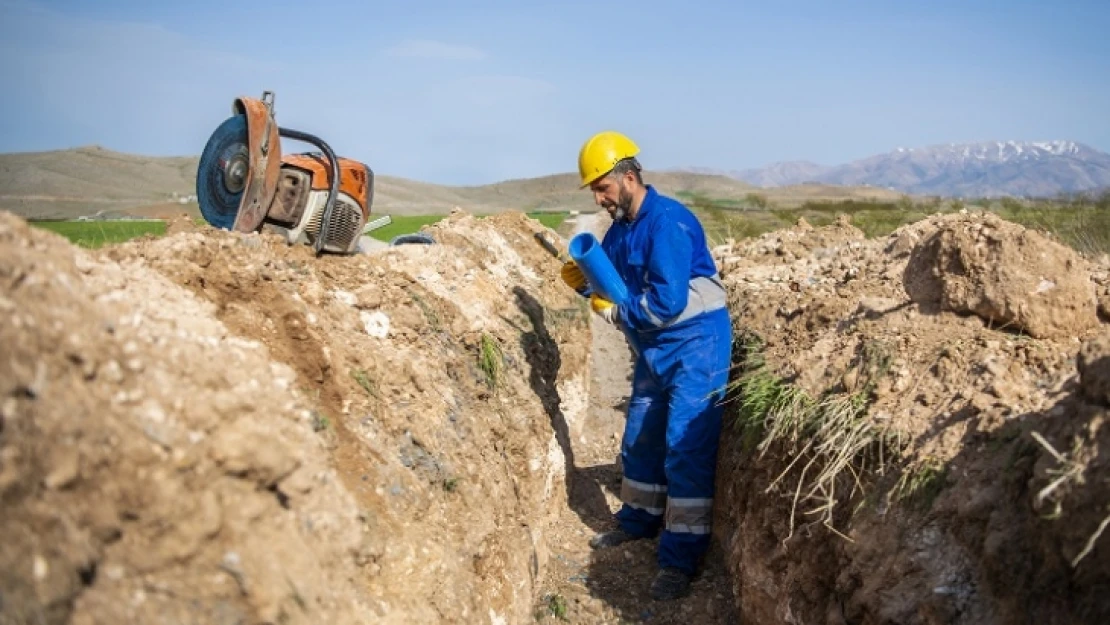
244,182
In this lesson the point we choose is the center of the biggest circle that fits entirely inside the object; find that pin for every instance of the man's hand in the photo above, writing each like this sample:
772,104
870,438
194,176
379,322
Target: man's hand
603,307
573,276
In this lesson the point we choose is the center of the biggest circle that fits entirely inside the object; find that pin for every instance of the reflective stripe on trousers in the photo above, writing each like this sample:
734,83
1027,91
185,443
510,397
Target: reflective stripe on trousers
692,515
651,498
671,435
689,515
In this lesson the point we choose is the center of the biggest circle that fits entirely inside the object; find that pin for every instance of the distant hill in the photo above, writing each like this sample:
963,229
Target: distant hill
984,169
773,175
89,180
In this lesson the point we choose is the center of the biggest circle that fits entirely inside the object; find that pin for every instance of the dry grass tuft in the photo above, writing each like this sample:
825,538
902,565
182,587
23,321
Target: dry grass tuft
830,438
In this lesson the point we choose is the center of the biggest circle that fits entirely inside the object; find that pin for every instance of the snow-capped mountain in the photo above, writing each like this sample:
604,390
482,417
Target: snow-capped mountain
983,169
782,174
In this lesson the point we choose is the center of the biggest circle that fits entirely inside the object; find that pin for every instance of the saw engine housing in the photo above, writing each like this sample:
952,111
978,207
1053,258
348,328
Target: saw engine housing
301,200
244,182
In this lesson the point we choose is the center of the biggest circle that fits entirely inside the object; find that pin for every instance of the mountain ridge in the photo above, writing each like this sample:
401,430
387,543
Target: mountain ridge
94,180
968,169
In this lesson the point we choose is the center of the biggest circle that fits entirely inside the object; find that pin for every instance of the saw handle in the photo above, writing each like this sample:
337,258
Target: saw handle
333,180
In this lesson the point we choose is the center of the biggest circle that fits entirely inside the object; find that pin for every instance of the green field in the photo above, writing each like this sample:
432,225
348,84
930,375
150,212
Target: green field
404,224
1082,223
94,234
550,220
412,223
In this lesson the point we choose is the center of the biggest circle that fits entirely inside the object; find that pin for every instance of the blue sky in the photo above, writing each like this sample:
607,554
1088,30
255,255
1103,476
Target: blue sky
475,92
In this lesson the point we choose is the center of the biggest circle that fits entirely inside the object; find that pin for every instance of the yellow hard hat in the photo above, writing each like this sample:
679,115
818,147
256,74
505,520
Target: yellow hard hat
601,152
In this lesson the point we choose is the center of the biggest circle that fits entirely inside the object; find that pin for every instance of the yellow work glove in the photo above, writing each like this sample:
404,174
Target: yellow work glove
573,276
603,307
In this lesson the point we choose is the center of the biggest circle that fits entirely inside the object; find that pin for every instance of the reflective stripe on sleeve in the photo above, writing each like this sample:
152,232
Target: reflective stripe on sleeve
706,294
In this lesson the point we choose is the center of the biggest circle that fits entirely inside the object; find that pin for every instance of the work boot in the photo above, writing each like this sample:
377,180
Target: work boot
670,583
611,538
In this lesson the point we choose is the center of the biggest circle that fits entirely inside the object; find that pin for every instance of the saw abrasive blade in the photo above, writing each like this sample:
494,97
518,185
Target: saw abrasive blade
223,171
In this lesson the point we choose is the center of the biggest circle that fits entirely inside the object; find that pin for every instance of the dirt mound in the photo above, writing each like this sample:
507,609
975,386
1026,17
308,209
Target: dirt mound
137,477
178,222
1011,276
210,427
881,463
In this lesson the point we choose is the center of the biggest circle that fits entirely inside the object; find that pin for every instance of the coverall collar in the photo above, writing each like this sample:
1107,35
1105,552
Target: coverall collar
648,201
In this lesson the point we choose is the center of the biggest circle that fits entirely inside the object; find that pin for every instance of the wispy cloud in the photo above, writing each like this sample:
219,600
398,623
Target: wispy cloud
429,49
138,86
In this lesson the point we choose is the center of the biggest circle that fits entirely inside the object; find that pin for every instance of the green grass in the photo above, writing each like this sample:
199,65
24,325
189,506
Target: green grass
94,234
550,220
1084,227
403,224
320,421
1080,222
557,606
490,360
360,376
409,224
429,313
826,438
920,485
751,216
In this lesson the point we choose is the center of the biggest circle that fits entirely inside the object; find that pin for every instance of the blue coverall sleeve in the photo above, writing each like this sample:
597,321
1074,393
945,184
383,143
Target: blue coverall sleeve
668,259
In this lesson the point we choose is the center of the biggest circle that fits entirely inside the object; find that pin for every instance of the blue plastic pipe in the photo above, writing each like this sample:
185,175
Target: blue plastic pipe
604,280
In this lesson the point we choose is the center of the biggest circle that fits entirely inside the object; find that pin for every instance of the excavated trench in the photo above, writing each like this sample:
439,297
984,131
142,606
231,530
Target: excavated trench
216,428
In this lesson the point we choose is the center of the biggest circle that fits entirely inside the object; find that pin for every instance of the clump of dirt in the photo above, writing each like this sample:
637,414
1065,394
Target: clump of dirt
886,458
223,428
1011,276
181,222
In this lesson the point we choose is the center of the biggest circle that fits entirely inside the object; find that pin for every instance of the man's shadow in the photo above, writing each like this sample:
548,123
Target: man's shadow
584,486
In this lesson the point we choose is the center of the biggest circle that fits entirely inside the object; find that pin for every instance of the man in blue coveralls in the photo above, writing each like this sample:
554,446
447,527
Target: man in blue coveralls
677,314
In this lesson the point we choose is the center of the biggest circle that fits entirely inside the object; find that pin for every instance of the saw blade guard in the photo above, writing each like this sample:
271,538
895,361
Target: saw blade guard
238,171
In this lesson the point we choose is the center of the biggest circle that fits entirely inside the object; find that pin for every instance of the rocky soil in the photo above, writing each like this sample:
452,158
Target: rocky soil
217,428
977,484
